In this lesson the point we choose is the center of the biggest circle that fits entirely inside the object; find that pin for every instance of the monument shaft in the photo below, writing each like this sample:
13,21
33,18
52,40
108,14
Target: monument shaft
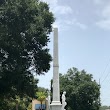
56,91
55,105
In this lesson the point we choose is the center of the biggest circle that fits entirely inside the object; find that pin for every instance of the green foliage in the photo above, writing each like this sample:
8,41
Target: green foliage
41,96
16,103
29,107
82,91
24,29
42,89
104,107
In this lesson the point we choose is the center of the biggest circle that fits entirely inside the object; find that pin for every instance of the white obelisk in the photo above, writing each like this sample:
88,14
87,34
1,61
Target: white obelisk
56,104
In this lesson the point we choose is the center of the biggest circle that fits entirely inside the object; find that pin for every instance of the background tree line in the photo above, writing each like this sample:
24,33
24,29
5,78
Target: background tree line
82,91
105,107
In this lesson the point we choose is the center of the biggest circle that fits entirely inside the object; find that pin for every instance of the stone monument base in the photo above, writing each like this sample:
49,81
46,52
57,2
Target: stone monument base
56,105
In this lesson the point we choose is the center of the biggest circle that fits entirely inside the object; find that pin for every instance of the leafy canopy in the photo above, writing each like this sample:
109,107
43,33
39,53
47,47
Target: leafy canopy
25,26
82,91
41,96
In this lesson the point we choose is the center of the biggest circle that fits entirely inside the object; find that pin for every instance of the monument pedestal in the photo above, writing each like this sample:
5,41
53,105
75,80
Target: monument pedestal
56,105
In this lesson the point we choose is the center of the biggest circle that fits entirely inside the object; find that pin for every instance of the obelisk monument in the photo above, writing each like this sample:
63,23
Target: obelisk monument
56,104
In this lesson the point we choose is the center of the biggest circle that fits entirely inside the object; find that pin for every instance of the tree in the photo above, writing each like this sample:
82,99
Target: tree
29,107
104,107
16,104
42,89
41,96
25,26
82,91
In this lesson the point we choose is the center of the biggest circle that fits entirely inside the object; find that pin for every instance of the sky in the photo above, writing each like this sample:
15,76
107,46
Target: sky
84,40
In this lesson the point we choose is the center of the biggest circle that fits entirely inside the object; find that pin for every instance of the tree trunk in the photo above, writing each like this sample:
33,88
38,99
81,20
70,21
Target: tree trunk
41,105
17,106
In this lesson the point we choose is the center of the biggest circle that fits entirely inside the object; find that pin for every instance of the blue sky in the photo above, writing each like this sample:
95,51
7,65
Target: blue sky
84,40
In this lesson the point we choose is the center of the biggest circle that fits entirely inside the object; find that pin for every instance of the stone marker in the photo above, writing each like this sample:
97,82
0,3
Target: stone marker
56,104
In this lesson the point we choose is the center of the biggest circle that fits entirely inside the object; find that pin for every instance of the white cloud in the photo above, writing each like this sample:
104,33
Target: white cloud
100,2
51,2
67,24
62,26
105,24
105,17
58,9
97,1
63,10
82,26
76,23
106,12
70,22
64,16
56,24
